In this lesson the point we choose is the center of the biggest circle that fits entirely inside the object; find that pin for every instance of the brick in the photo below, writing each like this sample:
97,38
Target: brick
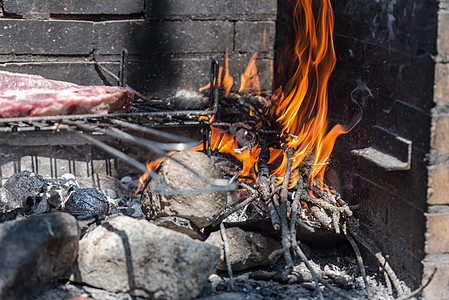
46,37
140,37
220,10
76,72
443,38
438,288
252,9
438,193
249,37
440,135
441,87
163,76
84,7
437,236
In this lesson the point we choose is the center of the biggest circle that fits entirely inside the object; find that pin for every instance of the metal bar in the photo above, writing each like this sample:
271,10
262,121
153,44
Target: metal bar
213,91
129,160
123,67
152,131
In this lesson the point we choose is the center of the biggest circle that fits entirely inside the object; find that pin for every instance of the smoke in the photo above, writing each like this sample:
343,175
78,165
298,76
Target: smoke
359,96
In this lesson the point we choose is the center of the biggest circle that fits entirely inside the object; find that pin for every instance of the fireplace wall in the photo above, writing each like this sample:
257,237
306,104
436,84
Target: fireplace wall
171,43
392,59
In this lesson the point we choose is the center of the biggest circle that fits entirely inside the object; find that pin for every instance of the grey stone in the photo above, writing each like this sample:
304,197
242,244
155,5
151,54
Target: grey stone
202,209
146,260
46,37
34,252
246,249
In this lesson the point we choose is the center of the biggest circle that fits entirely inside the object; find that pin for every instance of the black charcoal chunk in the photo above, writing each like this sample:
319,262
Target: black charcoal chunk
20,190
85,203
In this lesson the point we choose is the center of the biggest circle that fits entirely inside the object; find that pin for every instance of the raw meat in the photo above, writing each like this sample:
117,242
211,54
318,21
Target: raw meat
24,95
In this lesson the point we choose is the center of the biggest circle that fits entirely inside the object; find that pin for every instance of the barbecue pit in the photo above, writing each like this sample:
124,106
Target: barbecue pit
390,59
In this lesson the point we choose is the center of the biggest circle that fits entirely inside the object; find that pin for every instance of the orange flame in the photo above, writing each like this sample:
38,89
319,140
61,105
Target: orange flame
227,81
151,166
301,108
249,80
227,143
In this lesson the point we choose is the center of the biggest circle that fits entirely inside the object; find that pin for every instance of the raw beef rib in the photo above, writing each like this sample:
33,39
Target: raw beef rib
24,95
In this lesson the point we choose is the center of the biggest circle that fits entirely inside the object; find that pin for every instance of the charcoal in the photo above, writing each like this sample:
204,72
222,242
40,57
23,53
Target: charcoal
86,203
57,190
180,225
20,190
35,252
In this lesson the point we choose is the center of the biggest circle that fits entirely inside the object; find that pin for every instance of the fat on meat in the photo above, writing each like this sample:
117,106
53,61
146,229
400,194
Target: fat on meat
23,95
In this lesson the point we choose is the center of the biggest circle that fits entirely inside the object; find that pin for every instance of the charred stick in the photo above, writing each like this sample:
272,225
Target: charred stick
246,186
295,207
104,69
380,258
317,278
309,266
420,289
359,262
233,209
226,254
388,283
286,242
264,185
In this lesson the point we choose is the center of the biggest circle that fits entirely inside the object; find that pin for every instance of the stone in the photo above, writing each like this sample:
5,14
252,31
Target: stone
201,209
246,249
35,252
146,260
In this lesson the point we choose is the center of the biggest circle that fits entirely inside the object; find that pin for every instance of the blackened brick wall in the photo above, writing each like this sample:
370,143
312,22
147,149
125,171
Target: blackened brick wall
392,58
171,43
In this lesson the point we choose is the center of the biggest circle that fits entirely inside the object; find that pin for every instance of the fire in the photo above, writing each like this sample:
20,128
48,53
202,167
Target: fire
249,80
227,143
300,108
151,166
227,81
